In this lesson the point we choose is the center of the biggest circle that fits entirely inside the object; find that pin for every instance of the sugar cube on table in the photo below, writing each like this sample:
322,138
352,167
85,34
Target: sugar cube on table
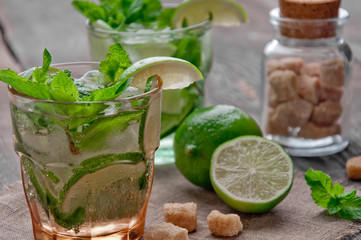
353,168
224,225
181,214
166,231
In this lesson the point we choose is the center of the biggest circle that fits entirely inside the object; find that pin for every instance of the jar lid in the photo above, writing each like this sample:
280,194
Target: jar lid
309,28
309,9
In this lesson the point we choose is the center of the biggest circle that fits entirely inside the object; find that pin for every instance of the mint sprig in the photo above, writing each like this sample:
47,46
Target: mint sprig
332,197
60,86
116,13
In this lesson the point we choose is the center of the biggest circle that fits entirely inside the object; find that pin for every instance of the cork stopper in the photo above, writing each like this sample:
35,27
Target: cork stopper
319,10
309,9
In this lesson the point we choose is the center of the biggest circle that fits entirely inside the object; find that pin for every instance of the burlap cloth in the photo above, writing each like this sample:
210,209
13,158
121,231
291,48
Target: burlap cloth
297,217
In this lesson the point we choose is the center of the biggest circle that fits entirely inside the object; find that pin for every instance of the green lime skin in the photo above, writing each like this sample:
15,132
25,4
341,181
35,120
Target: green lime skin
202,132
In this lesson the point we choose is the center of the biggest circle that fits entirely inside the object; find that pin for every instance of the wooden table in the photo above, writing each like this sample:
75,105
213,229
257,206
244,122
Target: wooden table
30,26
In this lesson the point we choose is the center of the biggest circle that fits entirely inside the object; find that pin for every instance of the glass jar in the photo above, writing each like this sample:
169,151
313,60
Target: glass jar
305,77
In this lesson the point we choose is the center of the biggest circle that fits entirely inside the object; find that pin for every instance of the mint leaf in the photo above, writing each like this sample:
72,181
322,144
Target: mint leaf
133,11
23,85
151,10
322,188
332,197
347,206
189,48
46,61
90,10
108,93
121,12
100,130
111,7
116,62
40,75
164,18
63,88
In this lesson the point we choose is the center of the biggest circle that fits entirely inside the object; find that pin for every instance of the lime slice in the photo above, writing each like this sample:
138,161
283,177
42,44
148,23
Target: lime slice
174,72
251,174
102,192
223,13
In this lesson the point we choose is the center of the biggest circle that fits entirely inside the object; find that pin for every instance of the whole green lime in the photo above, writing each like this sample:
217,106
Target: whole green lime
202,132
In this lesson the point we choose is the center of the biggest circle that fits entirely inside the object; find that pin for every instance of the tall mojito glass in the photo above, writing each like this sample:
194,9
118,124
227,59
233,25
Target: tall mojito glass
191,43
87,167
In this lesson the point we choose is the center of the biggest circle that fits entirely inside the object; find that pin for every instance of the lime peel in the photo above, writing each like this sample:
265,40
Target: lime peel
263,170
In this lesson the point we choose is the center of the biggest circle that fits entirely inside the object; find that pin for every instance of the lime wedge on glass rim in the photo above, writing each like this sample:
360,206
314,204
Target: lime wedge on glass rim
174,72
251,174
222,12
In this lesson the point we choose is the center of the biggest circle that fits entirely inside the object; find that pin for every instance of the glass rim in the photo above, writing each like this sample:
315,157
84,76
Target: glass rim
204,24
275,18
155,90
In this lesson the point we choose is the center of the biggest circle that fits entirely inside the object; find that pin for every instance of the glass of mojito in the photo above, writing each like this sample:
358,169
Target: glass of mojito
149,33
86,134
87,166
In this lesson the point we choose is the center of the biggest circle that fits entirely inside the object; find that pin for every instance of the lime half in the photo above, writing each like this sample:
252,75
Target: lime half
222,12
251,174
175,73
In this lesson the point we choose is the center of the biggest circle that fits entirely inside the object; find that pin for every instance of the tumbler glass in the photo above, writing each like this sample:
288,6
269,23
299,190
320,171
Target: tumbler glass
191,43
87,167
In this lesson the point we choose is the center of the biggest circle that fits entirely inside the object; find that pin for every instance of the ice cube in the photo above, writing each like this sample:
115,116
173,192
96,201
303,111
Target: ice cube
130,92
90,81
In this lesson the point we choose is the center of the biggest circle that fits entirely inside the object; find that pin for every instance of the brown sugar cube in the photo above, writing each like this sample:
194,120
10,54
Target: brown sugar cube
308,88
273,100
294,113
181,214
330,93
224,225
167,231
311,69
289,114
332,73
283,84
326,113
353,168
309,9
290,63
311,130
275,125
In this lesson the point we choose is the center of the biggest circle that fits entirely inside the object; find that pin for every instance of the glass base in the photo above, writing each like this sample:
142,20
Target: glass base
165,153
302,147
